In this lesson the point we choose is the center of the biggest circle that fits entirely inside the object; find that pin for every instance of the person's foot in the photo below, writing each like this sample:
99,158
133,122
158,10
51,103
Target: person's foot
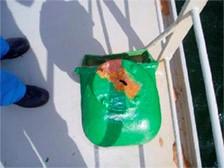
18,46
34,97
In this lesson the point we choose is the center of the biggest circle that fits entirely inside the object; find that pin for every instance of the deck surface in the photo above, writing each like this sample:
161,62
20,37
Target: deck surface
60,33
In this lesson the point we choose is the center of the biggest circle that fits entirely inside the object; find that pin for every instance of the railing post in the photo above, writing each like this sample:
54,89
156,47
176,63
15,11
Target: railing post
171,94
212,104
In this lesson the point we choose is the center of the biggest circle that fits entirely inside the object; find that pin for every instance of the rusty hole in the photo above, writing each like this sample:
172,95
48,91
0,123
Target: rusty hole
123,82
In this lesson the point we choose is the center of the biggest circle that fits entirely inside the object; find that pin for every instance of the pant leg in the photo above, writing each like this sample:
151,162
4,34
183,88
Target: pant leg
4,47
12,89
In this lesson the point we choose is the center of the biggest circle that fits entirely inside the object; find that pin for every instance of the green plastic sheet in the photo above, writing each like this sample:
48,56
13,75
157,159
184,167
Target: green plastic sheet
119,98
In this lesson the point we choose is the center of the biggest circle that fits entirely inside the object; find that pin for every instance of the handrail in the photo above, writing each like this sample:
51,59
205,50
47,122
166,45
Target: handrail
177,31
188,95
206,71
175,123
188,16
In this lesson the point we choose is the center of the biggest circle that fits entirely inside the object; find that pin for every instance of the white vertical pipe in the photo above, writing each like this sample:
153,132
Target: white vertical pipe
171,93
189,95
35,149
174,115
212,105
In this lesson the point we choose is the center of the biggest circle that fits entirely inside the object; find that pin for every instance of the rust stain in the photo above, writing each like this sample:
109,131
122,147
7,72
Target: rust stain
113,71
187,164
165,7
175,154
177,93
161,142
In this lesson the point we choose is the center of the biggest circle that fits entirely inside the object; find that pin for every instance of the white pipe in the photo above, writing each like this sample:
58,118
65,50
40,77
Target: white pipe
212,105
171,94
160,18
189,95
174,115
34,149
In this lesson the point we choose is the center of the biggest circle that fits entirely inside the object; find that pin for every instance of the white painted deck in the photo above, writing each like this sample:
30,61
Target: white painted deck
60,33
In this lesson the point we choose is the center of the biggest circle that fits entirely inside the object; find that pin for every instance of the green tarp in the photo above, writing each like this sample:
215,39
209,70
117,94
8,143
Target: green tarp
120,102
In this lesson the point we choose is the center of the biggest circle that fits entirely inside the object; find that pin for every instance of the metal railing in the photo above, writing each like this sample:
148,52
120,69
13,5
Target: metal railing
210,93
190,15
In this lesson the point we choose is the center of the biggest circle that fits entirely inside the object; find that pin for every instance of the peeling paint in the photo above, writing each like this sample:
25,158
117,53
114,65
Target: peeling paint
113,71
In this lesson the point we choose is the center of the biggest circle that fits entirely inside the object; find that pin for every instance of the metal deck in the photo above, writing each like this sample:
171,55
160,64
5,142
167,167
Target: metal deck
60,33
